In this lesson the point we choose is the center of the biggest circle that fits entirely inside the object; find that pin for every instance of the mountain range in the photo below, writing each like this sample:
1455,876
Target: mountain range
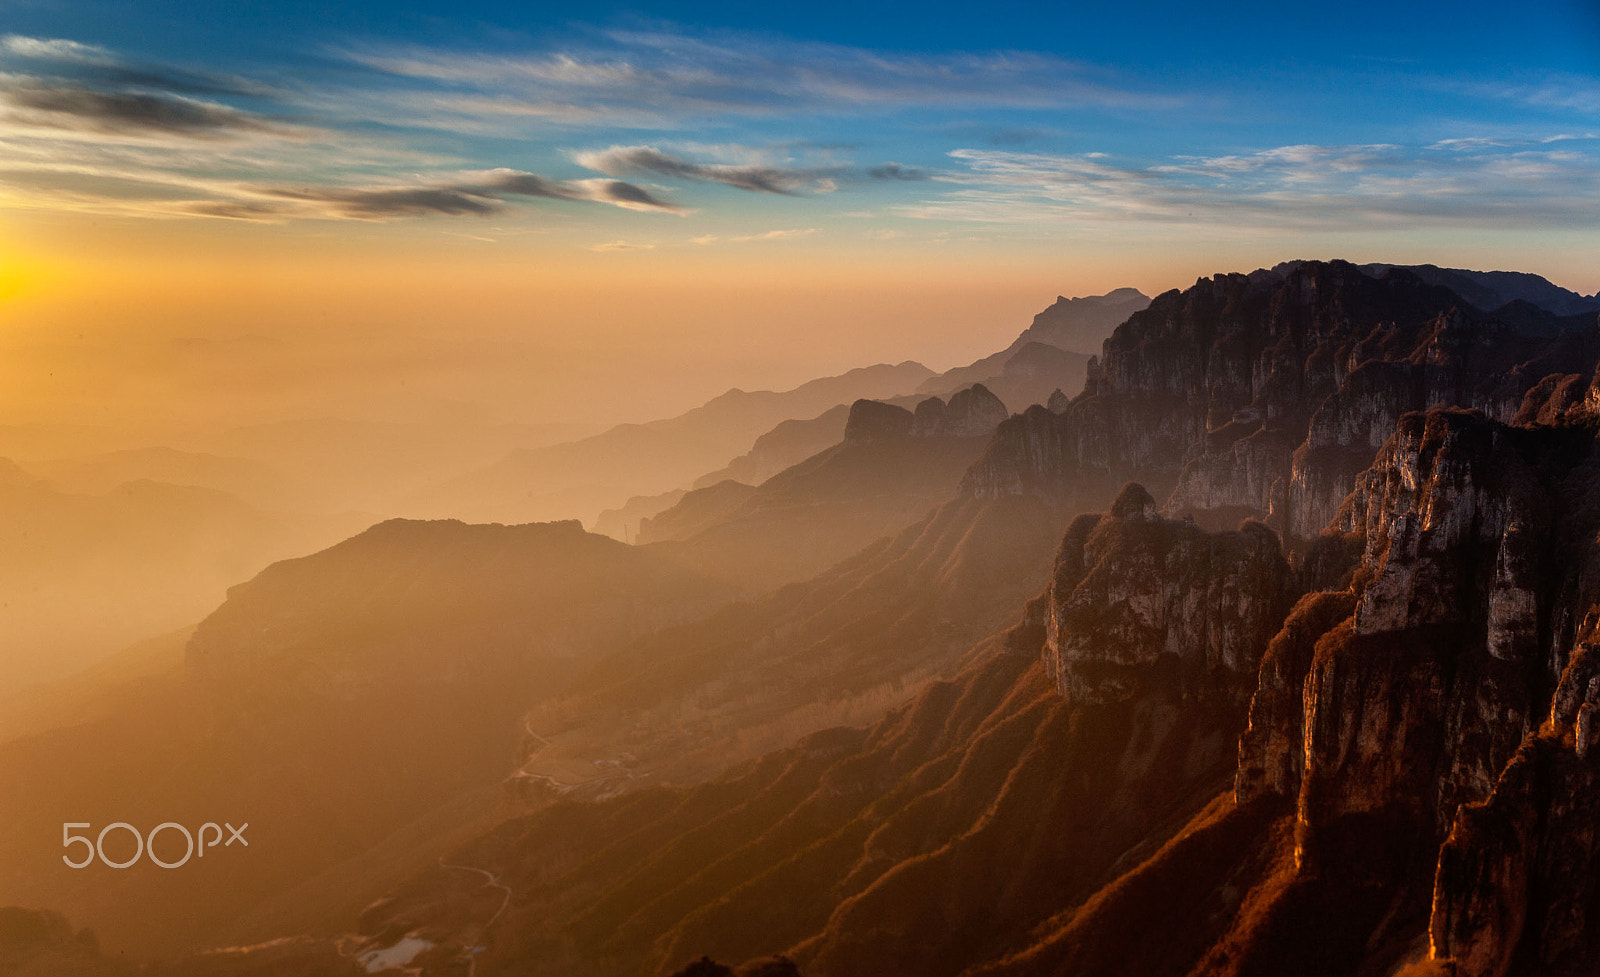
1309,687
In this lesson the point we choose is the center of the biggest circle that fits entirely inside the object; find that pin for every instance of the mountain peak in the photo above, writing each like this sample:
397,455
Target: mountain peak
1081,324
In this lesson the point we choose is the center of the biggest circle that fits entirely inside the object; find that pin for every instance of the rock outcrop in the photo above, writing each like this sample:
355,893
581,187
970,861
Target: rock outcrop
1139,595
971,413
872,420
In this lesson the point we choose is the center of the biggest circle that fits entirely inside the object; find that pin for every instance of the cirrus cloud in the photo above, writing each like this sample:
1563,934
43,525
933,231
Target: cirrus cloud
1519,184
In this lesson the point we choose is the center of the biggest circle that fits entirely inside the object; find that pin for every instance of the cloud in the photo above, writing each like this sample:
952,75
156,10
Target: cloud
1560,93
47,104
465,194
384,204
620,246
55,49
109,138
481,194
96,66
616,192
758,178
894,171
665,80
1459,182
783,235
625,195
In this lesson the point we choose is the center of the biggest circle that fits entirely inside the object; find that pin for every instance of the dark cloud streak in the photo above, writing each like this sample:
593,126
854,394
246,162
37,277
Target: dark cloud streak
480,197
754,177
50,104
894,171
387,203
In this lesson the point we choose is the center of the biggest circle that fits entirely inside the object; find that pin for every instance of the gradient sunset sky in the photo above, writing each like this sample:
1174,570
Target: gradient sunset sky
221,213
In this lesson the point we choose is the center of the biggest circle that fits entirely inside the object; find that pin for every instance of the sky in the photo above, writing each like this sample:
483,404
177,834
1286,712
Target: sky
226,213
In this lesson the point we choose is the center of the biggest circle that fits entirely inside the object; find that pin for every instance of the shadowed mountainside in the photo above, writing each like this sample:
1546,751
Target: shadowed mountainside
331,701
841,647
1051,355
1395,772
890,468
929,842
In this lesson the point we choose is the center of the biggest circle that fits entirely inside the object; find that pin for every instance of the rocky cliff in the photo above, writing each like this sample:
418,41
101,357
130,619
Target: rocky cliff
1429,722
1139,595
1266,394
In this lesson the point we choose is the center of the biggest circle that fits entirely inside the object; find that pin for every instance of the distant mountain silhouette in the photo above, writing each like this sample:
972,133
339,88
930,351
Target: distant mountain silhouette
890,467
580,478
1080,325
788,443
1051,353
253,482
1043,359
1489,291
87,574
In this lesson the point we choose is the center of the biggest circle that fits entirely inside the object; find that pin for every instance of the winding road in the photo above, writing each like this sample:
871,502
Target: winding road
493,880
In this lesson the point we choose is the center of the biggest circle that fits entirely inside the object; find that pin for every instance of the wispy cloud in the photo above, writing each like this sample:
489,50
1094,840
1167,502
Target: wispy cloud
781,235
760,178
1302,185
56,49
110,138
487,194
663,80
621,246
1558,92
94,65
48,104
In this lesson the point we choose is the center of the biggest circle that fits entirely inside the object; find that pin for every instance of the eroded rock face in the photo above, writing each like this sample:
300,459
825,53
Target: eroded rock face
1266,394
1406,713
1518,883
1138,593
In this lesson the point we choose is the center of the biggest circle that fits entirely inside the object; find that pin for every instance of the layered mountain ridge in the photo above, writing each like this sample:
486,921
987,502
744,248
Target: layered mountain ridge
1312,690
890,467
